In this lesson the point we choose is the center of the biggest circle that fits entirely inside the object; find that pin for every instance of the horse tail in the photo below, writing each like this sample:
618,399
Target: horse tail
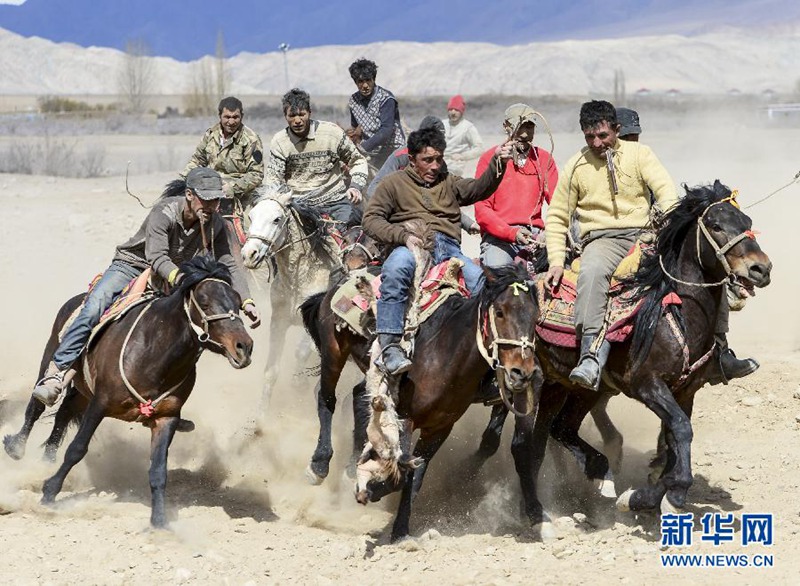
310,309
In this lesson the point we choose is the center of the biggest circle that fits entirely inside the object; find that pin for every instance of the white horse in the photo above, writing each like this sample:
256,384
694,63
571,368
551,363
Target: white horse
289,242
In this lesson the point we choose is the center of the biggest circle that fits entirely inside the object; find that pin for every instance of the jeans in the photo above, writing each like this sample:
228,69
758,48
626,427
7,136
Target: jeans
500,253
342,210
397,277
107,289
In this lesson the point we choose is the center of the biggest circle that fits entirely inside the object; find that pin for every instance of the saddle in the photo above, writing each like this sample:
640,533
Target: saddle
354,301
557,316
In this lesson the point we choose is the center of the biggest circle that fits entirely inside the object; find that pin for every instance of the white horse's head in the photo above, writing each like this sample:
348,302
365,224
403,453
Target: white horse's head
269,220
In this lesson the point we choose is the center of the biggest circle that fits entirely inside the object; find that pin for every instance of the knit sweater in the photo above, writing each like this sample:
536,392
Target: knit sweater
520,197
463,140
403,196
585,189
315,163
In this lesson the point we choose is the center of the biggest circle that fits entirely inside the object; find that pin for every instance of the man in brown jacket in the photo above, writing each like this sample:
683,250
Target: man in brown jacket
422,191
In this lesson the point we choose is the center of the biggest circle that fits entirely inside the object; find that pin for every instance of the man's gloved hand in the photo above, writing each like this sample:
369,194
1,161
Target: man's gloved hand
252,314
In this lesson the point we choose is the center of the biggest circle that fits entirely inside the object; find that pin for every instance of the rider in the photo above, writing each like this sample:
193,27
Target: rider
730,366
374,115
172,233
605,186
308,157
512,217
422,191
463,139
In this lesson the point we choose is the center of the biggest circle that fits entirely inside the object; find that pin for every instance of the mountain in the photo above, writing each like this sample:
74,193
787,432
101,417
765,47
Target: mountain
188,30
714,63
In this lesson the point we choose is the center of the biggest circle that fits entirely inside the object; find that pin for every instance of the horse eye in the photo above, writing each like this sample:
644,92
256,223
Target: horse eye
499,312
276,220
716,228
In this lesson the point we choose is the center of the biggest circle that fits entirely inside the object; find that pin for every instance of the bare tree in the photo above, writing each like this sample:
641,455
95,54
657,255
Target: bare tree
137,77
221,67
210,82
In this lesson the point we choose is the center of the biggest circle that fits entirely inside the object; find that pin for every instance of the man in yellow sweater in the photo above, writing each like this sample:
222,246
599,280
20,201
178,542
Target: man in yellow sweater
606,186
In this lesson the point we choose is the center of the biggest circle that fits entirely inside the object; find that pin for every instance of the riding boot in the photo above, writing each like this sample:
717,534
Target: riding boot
49,389
393,360
590,365
728,366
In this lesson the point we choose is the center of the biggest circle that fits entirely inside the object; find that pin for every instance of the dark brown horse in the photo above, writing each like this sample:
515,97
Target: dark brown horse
704,243
448,369
151,352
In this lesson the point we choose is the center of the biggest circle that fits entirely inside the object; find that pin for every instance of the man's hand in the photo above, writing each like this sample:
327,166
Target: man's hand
553,277
413,240
474,228
252,314
505,151
524,237
354,134
354,195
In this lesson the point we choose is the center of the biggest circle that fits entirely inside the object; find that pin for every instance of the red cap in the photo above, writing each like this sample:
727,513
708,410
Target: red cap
457,103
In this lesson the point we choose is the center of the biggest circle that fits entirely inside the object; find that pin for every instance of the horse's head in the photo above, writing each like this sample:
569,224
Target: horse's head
728,244
357,249
506,331
212,307
269,219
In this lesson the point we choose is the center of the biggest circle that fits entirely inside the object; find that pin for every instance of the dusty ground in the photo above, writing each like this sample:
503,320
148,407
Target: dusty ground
241,510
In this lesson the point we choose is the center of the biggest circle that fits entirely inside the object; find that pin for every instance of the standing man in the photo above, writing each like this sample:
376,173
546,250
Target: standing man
421,191
235,152
374,115
512,217
171,233
607,186
308,156
463,140
729,367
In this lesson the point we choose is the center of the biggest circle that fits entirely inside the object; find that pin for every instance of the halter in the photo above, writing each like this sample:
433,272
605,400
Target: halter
491,356
719,251
147,406
358,244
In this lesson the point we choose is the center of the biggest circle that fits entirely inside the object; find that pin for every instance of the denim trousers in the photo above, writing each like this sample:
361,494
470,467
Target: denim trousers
107,289
500,253
397,277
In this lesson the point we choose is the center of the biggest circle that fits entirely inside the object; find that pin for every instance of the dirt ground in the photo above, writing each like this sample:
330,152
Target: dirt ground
241,511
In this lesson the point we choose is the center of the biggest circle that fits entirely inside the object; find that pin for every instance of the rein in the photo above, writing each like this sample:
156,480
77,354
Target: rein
147,406
491,356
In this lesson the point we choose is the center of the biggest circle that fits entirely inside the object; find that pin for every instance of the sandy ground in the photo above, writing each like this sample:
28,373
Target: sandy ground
241,510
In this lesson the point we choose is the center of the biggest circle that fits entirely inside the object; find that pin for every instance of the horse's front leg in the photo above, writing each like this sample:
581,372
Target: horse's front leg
15,444
361,415
161,436
671,488
77,449
427,446
612,438
278,326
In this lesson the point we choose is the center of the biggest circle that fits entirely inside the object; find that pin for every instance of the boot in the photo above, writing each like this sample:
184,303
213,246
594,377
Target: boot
730,367
587,373
393,360
49,389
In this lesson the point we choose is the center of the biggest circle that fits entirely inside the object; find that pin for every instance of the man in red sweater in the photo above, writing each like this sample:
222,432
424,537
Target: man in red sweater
512,217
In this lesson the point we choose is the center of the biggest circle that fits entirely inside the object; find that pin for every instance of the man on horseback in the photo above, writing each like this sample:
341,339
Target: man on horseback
422,191
605,186
175,230
374,115
309,156
512,217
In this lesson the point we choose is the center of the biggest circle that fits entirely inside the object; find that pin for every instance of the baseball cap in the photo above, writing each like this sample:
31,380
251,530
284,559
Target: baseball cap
628,121
205,182
516,114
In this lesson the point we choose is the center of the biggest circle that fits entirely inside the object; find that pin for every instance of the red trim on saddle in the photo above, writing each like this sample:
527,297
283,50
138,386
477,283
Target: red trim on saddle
146,409
239,229
671,299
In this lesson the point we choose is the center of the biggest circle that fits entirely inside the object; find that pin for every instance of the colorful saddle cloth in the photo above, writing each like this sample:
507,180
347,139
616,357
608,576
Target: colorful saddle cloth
353,301
557,311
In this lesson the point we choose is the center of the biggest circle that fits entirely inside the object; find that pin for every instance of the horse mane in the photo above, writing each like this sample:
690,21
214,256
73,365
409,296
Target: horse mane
650,282
312,225
198,268
174,188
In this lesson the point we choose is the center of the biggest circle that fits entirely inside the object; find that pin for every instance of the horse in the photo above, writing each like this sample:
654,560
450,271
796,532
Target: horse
289,241
142,368
704,243
451,362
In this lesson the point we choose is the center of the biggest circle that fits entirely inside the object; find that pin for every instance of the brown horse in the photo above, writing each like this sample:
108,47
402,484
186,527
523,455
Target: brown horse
142,368
448,368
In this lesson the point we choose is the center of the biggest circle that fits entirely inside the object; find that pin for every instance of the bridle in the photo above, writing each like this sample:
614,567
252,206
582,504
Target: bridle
357,245
719,251
203,335
490,351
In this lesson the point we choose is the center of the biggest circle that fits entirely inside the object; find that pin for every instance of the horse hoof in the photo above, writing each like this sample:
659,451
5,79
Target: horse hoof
606,486
185,426
667,508
14,448
313,478
624,501
545,531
